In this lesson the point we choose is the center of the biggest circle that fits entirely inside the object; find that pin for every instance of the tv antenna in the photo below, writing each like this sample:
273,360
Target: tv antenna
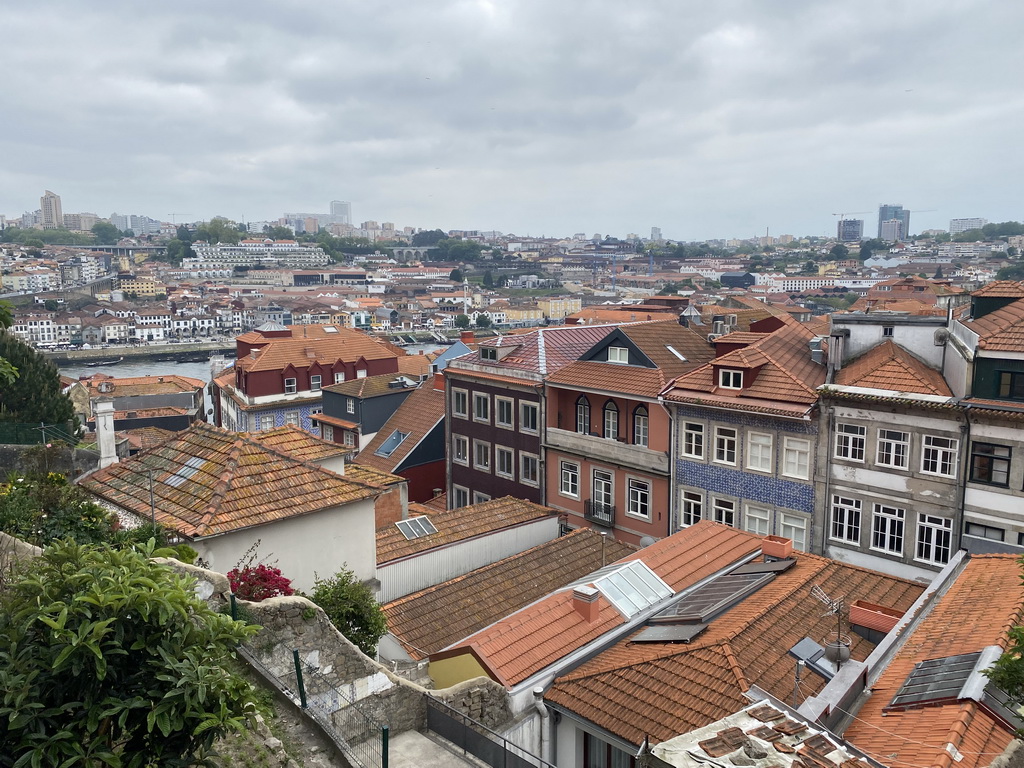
835,608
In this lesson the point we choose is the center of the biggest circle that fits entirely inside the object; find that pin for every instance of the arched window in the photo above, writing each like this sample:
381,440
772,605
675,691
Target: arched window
611,421
583,415
640,426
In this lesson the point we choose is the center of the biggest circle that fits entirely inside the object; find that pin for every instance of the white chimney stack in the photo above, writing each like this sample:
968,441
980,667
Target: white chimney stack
103,410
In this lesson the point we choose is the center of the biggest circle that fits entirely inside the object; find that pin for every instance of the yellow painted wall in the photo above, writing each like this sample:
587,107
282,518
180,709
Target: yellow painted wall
456,669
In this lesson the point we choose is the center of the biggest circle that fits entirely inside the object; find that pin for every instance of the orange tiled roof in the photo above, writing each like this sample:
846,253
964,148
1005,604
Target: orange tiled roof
539,635
368,386
418,414
688,686
1002,330
414,365
141,385
428,620
300,352
459,524
208,481
540,350
298,443
147,437
978,610
149,413
889,366
1002,289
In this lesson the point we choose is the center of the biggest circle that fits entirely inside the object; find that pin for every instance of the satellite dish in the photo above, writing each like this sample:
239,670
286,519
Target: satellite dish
646,541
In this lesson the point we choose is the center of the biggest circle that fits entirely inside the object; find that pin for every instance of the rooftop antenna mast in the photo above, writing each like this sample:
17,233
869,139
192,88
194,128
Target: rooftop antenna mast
835,608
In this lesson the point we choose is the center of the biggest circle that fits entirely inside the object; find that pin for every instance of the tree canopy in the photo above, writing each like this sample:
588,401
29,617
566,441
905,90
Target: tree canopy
106,233
109,659
350,606
428,237
7,370
35,394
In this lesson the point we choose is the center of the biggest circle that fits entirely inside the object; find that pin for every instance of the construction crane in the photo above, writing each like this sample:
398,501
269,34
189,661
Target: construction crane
172,215
842,216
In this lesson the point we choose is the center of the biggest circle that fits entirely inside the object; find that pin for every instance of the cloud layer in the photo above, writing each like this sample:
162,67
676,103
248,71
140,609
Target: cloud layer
723,119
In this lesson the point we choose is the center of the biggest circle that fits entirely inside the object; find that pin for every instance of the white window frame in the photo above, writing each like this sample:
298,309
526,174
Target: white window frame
524,422
693,435
789,525
327,432
722,509
478,399
460,496
479,497
618,355
851,439
759,453
460,397
583,413
889,522
525,477
569,479
460,456
942,456
605,480
730,378
316,382
349,438
481,466
500,401
691,508
610,421
339,377
722,442
761,514
638,497
931,529
293,418
846,513
641,426
796,455
264,422
350,405
291,386
361,373
509,455
893,451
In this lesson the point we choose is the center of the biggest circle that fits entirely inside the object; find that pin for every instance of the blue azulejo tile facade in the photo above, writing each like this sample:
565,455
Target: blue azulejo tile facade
748,420
777,492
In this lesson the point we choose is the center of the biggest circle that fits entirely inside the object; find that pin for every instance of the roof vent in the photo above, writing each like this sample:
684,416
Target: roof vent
585,602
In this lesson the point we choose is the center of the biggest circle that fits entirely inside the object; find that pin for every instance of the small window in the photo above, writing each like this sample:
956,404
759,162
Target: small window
350,405
528,417
339,377
504,462
729,378
291,417
290,386
796,458
850,442
314,383
327,432
583,415
1011,385
887,529
529,469
361,374
390,445
482,455
481,407
611,421
887,331
985,532
460,450
692,444
460,497
893,448
479,497
938,455
759,451
990,464
845,519
416,527
618,355
503,412
641,426
639,501
488,353
725,445
569,481
724,511
757,520
265,422
460,403
794,527
691,508
934,539
350,438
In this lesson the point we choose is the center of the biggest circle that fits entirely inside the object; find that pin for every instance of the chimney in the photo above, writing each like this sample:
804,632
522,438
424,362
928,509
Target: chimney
103,410
439,381
467,337
585,602
817,351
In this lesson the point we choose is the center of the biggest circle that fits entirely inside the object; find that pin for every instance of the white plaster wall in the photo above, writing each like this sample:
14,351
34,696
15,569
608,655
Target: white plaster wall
918,339
318,543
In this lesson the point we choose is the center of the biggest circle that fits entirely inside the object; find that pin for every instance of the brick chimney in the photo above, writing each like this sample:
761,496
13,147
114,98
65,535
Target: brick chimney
585,603
467,337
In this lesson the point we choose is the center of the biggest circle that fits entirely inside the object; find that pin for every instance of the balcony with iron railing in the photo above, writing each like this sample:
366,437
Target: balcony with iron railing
599,513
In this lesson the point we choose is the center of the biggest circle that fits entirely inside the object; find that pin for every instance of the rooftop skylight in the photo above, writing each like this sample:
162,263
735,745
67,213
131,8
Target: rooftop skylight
390,445
630,587
416,527
185,471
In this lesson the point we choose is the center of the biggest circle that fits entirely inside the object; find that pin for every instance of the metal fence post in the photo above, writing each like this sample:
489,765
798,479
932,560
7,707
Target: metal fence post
234,608
384,731
298,677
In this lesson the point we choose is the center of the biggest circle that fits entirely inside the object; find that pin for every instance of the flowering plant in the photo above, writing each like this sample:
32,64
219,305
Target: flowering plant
258,582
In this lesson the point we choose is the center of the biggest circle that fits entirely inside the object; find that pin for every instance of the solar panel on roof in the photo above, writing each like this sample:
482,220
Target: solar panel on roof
935,680
185,471
670,633
416,527
712,598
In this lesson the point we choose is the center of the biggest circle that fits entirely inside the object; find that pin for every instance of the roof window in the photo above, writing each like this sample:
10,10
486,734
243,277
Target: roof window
390,445
630,587
416,527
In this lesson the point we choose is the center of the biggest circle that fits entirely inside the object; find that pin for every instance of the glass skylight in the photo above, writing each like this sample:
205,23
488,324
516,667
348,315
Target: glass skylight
390,445
630,587
185,471
416,527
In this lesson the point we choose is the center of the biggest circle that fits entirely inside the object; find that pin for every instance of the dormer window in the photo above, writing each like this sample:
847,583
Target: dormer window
618,355
730,378
488,353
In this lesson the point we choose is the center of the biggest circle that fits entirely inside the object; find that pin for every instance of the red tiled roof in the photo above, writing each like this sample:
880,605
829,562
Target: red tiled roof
1002,289
978,610
347,345
141,385
889,366
433,618
368,386
298,443
688,686
459,524
1001,330
540,351
418,414
208,481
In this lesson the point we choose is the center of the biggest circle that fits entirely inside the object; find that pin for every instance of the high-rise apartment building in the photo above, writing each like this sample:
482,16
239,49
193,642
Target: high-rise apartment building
890,211
341,212
656,234
892,231
850,230
962,225
52,215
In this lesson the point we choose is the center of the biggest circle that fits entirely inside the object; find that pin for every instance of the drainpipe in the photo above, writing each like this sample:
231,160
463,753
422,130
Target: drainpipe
827,501
965,474
545,722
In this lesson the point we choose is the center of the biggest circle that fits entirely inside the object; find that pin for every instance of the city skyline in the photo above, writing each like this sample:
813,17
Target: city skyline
707,123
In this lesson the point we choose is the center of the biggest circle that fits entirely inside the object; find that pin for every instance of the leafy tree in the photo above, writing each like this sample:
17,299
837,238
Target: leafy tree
35,395
7,370
839,251
34,242
51,305
109,659
182,233
278,233
488,280
218,230
43,508
938,273
810,267
1013,272
456,276
428,237
462,321
106,233
457,250
350,606
483,321
1011,251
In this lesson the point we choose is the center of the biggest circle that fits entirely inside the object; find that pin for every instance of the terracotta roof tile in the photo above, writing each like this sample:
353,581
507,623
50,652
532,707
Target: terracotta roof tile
540,351
459,524
347,345
298,443
141,385
1001,330
978,610
610,377
688,686
889,366
369,386
413,365
1001,289
208,481
418,414
433,618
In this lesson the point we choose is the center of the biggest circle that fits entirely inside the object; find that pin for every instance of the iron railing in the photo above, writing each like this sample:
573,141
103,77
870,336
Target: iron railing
477,739
596,512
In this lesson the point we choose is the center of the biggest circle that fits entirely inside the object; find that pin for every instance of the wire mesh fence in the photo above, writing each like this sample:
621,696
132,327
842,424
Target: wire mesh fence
18,433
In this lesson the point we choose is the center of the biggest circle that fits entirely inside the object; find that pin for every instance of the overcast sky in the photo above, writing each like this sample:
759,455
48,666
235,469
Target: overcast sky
711,119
